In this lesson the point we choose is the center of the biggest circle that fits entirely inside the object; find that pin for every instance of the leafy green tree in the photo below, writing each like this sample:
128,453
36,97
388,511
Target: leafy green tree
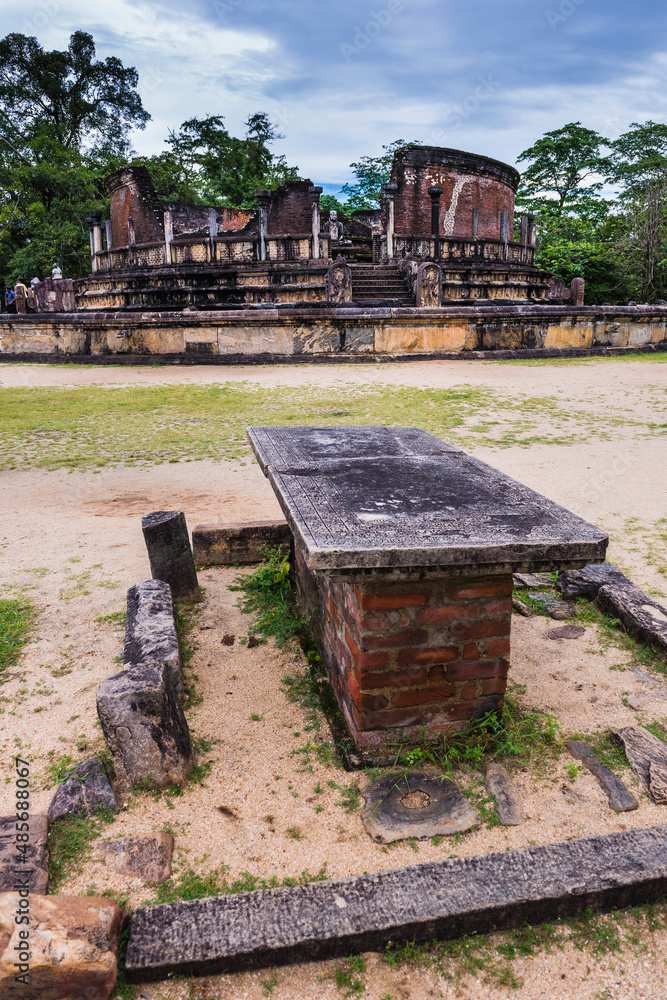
371,173
330,204
566,170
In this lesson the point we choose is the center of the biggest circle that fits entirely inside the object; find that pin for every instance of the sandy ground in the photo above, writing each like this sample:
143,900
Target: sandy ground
75,541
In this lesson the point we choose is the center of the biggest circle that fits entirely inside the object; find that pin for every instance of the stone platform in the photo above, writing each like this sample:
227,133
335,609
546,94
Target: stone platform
405,548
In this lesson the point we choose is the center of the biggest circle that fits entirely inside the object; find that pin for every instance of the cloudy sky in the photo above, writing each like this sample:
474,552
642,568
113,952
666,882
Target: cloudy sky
343,77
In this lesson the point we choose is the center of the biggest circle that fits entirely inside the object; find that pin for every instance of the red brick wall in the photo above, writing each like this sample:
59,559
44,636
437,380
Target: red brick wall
290,210
407,659
131,193
485,184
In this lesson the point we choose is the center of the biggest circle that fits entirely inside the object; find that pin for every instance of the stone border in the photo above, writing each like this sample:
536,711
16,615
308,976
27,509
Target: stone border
445,899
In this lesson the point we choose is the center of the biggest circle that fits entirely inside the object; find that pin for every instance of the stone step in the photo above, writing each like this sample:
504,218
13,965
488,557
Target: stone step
443,899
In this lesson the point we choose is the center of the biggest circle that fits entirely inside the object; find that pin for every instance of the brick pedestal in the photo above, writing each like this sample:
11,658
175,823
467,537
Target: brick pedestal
410,660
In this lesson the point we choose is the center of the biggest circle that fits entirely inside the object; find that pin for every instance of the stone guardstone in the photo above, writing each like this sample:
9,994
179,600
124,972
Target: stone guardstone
73,948
35,868
400,806
86,789
147,857
508,801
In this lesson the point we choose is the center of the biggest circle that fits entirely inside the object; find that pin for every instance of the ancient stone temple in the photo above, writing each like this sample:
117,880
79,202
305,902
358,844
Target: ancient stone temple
445,231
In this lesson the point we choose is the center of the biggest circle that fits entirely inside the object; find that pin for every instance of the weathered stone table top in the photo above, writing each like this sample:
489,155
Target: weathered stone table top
361,498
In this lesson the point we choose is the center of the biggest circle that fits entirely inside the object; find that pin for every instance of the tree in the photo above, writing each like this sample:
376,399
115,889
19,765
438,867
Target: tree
371,173
67,96
561,162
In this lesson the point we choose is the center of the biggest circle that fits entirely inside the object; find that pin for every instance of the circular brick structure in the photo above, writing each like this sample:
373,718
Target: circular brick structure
474,187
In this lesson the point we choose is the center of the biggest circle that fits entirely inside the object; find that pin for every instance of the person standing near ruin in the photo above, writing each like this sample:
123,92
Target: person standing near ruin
10,299
56,273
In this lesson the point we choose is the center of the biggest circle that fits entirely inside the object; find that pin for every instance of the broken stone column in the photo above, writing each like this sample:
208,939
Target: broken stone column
389,194
578,291
150,632
263,202
168,235
145,728
435,194
315,193
169,553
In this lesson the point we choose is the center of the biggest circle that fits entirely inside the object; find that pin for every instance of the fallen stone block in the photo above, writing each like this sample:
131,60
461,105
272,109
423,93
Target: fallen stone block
531,581
73,948
226,544
621,798
150,633
521,608
35,867
508,801
86,789
146,857
169,553
648,759
586,582
401,806
642,616
566,632
444,899
145,728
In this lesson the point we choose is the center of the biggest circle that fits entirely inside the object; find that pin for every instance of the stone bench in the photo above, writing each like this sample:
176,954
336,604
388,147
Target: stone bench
405,548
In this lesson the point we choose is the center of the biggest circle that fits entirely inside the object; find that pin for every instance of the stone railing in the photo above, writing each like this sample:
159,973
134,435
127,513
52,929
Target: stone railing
222,249
468,251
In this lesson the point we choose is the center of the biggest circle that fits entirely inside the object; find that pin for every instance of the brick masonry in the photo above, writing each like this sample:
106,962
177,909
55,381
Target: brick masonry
408,660
469,182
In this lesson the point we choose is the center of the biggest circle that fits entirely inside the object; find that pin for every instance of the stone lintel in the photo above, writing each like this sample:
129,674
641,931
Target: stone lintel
444,899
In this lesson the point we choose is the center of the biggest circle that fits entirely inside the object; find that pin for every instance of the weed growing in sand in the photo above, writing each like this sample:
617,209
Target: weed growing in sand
268,595
347,977
18,617
69,844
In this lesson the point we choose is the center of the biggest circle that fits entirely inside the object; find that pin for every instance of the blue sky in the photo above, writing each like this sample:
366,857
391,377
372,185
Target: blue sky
343,77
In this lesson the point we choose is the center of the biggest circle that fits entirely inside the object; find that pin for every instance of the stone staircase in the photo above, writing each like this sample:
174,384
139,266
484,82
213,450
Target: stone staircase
376,282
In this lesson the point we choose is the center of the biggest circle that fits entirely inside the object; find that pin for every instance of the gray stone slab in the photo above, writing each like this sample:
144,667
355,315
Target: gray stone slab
150,632
424,505
86,789
499,784
648,758
444,899
641,615
560,610
621,798
586,582
244,542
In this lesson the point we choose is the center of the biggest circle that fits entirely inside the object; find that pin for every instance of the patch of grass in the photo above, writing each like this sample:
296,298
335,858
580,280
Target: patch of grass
268,596
69,844
347,977
294,833
191,883
18,617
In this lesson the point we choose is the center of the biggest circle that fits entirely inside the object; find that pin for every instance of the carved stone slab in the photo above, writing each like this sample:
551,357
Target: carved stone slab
377,497
508,801
444,899
398,806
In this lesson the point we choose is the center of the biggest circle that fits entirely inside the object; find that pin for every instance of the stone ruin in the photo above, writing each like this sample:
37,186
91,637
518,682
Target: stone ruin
450,210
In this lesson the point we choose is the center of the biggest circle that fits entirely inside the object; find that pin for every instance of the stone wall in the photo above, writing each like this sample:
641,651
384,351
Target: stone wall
469,182
228,335
415,659
132,195
290,210
194,219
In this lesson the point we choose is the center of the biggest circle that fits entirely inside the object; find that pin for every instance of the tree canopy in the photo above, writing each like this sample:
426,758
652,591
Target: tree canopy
371,173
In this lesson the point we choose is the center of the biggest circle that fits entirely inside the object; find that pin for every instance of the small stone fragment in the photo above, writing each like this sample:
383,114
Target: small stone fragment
35,867
150,633
657,780
621,798
634,703
394,809
86,789
147,857
553,605
145,728
521,608
644,751
566,632
228,639
73,948
532,580
508,801
252,641
586,582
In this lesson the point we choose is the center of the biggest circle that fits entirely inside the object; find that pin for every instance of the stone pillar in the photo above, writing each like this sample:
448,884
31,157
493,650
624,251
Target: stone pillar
168,235
131,239
91,240
169,552
107,226
315,193
389,191
578,291
94,221
212,232
525,228
263,201
19,299
435,194
475,223
532,230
